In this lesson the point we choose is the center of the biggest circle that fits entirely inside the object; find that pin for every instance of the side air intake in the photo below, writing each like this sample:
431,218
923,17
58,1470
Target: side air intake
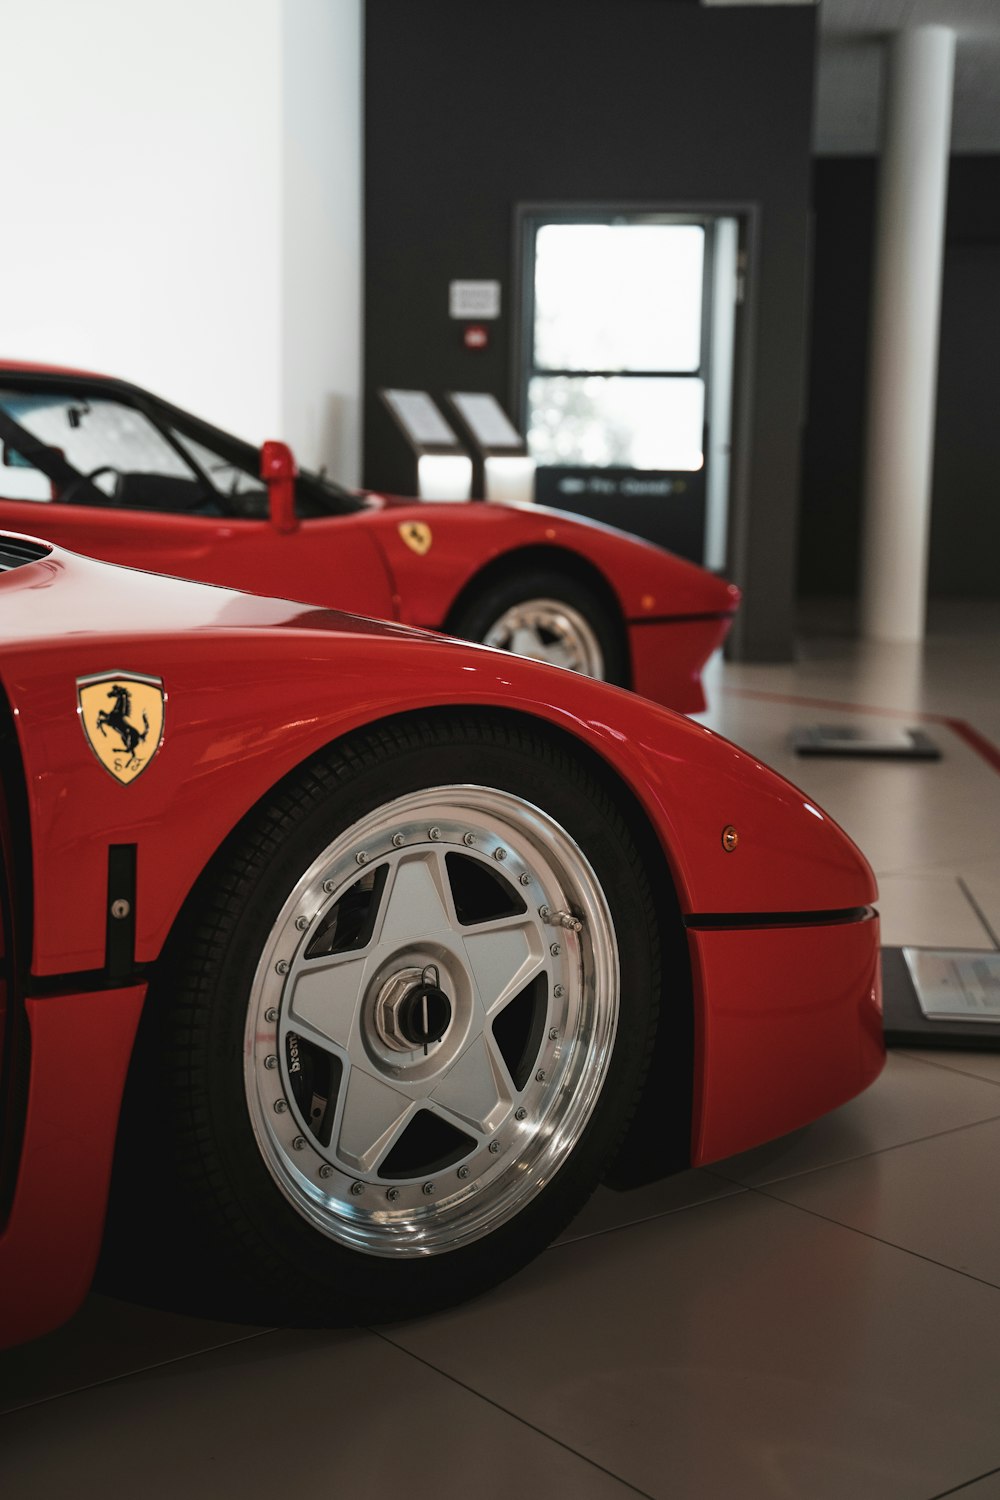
16,551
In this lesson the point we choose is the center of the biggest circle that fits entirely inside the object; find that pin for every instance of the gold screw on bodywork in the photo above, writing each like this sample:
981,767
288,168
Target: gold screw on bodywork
730,838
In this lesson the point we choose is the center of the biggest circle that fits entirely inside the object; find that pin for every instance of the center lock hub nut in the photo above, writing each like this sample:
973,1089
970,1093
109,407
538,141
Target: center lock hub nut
412,1011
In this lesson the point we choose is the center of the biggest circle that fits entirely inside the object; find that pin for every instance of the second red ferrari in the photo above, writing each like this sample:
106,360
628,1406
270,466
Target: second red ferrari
108,470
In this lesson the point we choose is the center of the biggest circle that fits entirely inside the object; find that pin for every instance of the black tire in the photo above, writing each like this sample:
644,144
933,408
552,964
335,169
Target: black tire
250,1250
476,620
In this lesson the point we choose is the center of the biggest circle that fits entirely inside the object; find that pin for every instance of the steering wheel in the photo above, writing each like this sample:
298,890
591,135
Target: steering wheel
69,495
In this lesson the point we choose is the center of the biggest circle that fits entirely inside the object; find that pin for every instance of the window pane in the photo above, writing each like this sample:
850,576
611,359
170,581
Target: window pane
618,296
93,433
20,480
618,421
229,477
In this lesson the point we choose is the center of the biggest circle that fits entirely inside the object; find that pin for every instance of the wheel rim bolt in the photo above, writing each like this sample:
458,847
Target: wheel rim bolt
326,1170
271,1014
555,950
282,966
500,854
434,833
524,879
281,1106
357,1188
329,886
519,1114
544,913
494,1147
398,841
302,923
428,1188
463,1171
540,1075
271,1062
299,1143
361,857
553,1033
469,838
558,991
392,1194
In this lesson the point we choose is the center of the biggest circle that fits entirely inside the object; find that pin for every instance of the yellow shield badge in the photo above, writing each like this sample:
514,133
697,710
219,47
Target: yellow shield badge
417,536
122,718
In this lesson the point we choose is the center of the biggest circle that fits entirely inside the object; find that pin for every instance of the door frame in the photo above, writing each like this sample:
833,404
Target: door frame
748,216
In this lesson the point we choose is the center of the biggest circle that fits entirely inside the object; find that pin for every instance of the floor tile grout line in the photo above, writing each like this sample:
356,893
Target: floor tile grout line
498,1406
160,1364
866,1155
877,1239
929,1062
937,868
978,910
595,1234
936,1062
944,1495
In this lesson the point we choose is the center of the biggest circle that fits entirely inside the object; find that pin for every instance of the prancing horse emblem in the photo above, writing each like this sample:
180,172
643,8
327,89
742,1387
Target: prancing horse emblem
127,734
417,536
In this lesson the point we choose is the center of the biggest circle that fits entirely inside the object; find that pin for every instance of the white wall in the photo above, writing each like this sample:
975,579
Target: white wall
182,204
322,271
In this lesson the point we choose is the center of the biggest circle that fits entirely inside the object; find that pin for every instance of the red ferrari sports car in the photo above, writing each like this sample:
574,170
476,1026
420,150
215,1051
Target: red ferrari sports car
126,477
341,961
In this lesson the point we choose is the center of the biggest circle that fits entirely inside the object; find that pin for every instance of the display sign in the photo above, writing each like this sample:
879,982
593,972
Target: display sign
883,741
474,299
420,419
486,420
664,507
956,984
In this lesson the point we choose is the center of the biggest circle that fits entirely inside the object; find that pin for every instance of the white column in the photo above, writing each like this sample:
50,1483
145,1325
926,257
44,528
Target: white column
909,247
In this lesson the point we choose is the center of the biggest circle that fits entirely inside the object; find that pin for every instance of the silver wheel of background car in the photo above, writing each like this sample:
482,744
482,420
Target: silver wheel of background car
548,630
431,1021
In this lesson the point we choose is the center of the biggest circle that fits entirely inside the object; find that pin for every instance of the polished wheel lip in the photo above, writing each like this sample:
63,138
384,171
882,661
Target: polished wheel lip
519,630
526,1134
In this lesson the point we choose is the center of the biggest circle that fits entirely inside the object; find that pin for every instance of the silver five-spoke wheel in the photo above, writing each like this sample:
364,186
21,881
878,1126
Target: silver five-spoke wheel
401,1034
431,1021
550,615
548,630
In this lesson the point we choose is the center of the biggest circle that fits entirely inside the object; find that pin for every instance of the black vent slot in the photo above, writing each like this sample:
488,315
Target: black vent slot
15,552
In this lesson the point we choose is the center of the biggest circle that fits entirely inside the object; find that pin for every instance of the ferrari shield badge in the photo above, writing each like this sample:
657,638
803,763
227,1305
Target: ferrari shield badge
417,536
122,718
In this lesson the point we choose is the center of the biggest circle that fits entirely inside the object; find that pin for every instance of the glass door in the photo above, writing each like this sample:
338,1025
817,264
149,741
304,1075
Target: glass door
616,377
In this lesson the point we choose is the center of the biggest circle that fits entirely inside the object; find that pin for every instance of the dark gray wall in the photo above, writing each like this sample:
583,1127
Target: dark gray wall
965,515
473,109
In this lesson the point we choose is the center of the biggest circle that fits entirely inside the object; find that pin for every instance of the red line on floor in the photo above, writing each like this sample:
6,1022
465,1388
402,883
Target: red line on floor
971,736
851,708
975,741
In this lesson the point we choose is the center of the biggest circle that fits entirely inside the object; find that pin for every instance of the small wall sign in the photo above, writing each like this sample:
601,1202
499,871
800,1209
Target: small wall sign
474,299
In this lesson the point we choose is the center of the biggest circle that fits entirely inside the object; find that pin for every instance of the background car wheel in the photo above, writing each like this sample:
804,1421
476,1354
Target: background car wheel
410,1027
549,617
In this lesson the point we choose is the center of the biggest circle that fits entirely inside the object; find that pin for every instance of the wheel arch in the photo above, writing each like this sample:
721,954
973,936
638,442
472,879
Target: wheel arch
659,1139
555,559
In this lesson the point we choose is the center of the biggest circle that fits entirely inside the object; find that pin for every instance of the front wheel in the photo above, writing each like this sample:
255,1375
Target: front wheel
413,1023
550,617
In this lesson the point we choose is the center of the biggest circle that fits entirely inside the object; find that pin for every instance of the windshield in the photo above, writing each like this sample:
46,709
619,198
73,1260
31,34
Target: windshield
80,443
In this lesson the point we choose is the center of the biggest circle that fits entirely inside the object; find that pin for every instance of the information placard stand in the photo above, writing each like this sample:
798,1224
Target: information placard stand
504,470
878,741
941,998
441,466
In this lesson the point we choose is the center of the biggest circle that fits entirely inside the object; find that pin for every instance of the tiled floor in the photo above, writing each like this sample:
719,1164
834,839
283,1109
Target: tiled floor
818,1319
